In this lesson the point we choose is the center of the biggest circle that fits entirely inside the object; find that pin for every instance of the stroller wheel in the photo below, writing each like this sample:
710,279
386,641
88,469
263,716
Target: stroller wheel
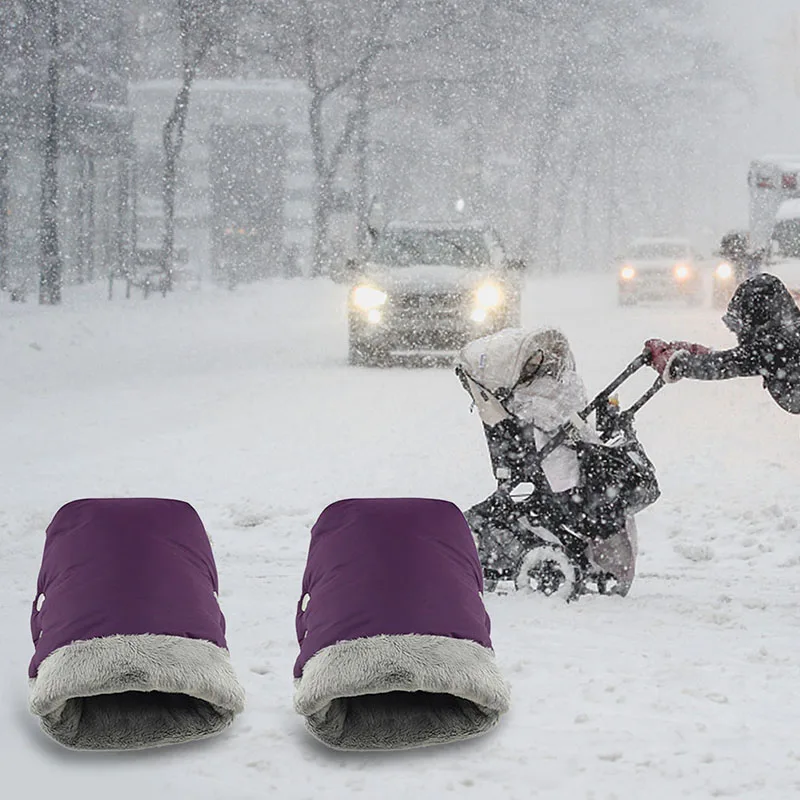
548,571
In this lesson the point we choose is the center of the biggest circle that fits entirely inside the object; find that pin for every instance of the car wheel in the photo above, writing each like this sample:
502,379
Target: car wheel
362,354
626,299
355,353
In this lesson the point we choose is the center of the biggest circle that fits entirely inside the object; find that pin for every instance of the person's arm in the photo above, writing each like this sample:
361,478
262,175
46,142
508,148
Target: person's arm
738,362
676,360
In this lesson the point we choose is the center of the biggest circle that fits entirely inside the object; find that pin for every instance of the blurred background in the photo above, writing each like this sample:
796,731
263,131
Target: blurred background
239,139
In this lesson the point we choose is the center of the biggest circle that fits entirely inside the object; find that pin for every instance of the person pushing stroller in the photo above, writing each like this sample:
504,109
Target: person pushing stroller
745,262
766,322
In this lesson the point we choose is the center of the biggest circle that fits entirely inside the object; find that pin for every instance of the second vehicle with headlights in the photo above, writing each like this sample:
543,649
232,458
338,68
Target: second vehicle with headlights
736,263
659,269
430,288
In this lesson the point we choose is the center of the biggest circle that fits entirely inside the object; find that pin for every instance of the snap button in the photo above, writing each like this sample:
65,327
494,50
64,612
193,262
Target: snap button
39,602
304,602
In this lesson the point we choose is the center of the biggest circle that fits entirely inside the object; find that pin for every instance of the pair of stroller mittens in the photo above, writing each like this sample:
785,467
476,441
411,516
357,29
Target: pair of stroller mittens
118,669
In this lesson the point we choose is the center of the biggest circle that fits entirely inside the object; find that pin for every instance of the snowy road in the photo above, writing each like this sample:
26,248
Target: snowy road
242,404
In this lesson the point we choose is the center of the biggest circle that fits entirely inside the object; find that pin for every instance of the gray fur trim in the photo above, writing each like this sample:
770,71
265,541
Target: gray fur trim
397,692
131,692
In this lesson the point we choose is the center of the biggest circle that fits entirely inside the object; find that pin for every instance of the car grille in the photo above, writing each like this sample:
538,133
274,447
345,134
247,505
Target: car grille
424,304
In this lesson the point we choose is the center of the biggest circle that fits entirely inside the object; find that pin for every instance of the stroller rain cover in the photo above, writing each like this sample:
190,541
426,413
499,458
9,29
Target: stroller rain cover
530,376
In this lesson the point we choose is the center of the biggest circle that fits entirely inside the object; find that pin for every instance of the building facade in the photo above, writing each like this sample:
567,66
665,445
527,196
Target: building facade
245,184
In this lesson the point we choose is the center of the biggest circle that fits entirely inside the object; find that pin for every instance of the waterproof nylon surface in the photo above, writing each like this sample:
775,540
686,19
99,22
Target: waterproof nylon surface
390,566
125,566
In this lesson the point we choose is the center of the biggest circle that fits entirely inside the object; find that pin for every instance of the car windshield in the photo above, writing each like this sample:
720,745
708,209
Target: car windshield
459,248
659,250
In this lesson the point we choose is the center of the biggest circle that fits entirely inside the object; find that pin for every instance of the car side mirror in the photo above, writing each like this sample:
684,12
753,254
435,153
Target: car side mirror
516,265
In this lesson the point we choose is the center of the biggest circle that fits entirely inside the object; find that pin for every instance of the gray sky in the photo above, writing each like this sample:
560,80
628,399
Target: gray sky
765,35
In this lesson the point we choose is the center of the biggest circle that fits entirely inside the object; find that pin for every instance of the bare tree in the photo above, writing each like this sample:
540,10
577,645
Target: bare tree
198,29
333,46
4,200
50,267
602,79
326,165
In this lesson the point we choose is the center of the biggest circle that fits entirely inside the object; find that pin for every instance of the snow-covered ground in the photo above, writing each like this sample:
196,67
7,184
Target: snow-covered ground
242,404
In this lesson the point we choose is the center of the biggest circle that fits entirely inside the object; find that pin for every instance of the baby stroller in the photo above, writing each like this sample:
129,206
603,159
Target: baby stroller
561,520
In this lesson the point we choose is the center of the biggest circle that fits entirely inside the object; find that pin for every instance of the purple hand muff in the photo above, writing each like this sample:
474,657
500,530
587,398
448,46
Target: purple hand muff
129,638
395,650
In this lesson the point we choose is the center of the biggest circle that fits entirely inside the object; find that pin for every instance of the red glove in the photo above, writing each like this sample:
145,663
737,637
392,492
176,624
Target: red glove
661,353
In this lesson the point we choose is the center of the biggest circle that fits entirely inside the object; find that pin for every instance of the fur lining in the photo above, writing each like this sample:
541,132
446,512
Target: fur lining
397,692
131,692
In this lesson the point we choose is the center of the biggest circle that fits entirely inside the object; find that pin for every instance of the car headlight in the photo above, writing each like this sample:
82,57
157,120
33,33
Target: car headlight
627,273
478,315
368,297
724,271
682,272
489,295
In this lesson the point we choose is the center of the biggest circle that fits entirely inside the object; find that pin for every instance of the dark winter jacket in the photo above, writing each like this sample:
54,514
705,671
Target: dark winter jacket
766,321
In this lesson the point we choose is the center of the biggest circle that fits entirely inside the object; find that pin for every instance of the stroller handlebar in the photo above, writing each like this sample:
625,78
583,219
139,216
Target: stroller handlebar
570,430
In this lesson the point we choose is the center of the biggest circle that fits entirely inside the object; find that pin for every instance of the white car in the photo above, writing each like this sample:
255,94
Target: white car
658,269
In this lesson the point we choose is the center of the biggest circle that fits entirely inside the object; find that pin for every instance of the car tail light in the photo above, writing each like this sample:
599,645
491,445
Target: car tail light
789,181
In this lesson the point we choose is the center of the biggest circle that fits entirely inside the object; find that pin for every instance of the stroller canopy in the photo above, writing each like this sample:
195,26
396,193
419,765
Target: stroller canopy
504,360
528,374
528,377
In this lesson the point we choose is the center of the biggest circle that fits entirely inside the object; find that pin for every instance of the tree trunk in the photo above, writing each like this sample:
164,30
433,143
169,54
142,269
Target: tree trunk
50,266
91,190
612,200
323,203
124,243
5,158
361,200
172,136
80,214
588,251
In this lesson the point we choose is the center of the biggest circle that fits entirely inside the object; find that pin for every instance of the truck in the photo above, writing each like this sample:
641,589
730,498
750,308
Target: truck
772,180
775,216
